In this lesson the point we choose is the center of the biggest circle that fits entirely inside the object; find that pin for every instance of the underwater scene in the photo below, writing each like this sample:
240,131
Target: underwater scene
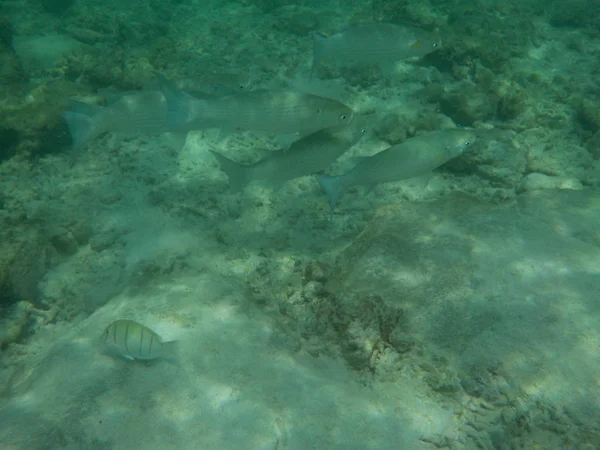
299,225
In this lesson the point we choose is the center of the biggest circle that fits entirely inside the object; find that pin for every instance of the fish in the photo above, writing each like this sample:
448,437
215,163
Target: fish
306,156
379,43
133,340
135,112
413,157
138,112
277,111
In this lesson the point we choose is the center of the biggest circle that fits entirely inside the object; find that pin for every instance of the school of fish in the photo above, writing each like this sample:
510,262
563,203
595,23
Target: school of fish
323,129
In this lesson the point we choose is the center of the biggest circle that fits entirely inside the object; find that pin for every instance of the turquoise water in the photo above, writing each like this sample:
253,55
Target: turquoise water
451,303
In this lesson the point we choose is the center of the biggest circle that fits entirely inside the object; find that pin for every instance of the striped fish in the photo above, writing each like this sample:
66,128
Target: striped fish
308,155
276,111
143,112
139,112
412,158
133,340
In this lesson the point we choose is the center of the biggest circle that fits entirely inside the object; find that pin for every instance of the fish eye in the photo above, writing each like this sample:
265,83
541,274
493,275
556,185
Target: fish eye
241,87
343,117
467,143
435,44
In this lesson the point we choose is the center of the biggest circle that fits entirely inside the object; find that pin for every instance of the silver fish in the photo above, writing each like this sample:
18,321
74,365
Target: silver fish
143,112
306,156
277,111
134,341
379,43
414,157
140,112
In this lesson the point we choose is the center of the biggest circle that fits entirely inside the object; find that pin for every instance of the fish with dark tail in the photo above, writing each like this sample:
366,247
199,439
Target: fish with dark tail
306,156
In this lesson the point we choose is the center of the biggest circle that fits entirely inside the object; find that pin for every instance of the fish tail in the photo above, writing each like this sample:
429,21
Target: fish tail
318,48
238,174
169,351
334,189
169,347
178,103
81,121
80,126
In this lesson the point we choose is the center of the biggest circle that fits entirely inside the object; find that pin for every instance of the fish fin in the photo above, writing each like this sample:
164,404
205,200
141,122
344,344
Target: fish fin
178,103
169,347
81,127
285,140
333,188
88,109
318,48
169,351
355,160
128,357
237,173
175,139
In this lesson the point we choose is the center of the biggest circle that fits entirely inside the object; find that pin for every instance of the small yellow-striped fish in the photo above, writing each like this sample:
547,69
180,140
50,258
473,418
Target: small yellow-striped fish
133,340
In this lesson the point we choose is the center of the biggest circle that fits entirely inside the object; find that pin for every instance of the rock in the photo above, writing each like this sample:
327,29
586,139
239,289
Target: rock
56,7
588,113
11,70
295,20
43,52
315,271
432,92
510,98
268,5
7,294
461,270
29,265
493,158
63,240
467,104
402,341
392,129
9,141
539,181
575,13
13,325
593,145
562,160
104,240
6,33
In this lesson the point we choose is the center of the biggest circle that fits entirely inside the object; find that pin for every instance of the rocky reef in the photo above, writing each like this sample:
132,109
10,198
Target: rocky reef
397,285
